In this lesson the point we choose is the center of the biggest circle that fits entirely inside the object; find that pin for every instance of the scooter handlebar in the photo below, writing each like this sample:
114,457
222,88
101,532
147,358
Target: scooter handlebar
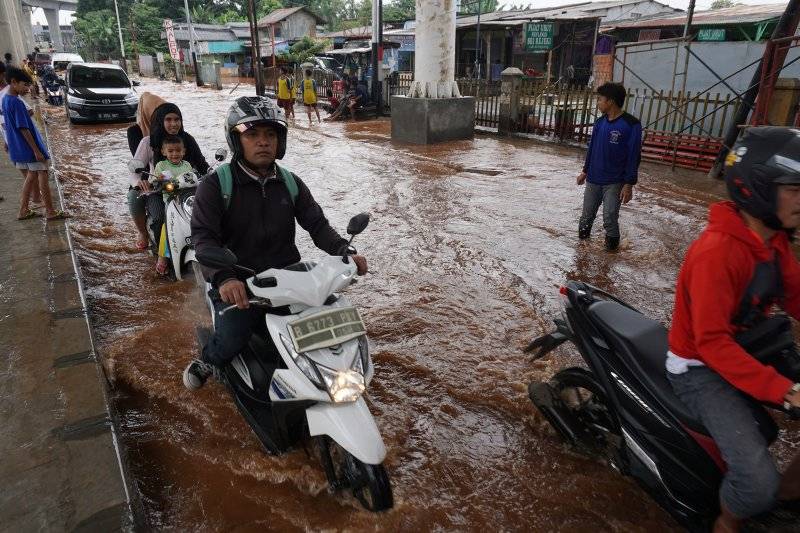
256,303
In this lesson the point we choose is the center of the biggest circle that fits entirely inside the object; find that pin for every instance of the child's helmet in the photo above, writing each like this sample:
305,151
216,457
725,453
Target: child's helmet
765,157
249,111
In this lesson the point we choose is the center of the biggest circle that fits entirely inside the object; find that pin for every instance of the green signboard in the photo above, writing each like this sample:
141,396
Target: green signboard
538,36
711,34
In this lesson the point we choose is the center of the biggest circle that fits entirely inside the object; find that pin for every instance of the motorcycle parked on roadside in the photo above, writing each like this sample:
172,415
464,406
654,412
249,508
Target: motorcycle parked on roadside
621,407
179,192
305,377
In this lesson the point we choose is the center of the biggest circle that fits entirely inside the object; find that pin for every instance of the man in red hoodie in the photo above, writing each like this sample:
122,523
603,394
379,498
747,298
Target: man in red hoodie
732,277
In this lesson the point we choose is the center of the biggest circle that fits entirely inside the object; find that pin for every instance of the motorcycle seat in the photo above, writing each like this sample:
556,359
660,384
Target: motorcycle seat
642,343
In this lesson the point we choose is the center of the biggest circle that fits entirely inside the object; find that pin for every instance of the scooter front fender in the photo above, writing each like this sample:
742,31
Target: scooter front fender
352,427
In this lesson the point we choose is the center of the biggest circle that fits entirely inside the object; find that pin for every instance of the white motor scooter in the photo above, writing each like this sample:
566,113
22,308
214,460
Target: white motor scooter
180,192
304,376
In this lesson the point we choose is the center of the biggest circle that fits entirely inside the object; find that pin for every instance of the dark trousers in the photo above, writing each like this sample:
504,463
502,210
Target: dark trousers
156,213
232,332
593,196
751,483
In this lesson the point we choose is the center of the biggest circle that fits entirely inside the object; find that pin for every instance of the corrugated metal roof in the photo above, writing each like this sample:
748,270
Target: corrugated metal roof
521,16
205,32
742,14
285,12
360,32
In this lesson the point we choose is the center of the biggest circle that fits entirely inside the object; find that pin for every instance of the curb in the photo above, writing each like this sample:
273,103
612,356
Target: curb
119,507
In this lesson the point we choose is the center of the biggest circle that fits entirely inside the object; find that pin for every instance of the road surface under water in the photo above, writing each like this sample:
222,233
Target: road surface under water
468,244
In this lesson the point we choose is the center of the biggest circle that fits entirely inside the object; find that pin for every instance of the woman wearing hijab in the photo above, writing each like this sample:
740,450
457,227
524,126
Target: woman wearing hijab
148,103
166,120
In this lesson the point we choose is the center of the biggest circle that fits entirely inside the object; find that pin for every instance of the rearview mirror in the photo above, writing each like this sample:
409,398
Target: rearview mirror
221,154
216,257
358,224
135,83
136,165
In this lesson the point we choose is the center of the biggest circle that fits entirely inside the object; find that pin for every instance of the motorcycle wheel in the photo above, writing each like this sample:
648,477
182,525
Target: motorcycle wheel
369,483
584,398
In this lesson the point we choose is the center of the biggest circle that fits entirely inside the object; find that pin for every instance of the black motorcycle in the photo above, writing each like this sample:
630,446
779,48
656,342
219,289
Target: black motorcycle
621,407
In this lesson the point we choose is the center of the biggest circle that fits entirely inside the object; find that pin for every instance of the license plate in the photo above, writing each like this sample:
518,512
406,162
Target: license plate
325,329
107,115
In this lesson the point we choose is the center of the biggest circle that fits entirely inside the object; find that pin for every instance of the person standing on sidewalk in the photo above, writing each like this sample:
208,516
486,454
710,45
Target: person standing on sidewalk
612,163
36,197
25,146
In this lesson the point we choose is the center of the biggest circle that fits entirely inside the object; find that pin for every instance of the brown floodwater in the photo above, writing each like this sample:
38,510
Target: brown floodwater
468,244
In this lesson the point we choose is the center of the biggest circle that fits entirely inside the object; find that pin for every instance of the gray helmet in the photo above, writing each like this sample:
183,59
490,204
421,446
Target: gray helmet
249,111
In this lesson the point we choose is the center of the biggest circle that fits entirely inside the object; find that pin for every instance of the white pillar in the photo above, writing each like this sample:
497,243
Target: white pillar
54,28
10,38
27,30
435,57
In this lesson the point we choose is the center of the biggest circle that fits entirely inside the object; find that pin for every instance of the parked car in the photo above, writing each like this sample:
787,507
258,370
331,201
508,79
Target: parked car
60,61
328,64
42,59
99,91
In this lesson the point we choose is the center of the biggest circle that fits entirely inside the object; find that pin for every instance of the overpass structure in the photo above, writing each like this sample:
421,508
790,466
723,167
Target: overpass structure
51,10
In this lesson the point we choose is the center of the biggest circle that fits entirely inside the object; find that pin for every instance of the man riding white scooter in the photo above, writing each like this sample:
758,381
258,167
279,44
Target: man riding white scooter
740,267
250,207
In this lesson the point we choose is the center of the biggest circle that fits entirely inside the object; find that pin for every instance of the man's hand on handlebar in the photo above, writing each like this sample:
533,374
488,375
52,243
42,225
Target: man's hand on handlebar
793,398
144,186
361,263
234,291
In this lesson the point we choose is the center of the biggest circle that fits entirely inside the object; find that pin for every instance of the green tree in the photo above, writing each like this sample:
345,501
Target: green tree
399,10
265,7
721,4
146,23
304,49
97,33
470,7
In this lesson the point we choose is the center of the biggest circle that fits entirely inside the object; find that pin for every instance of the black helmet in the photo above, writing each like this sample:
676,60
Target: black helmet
249,111
765,157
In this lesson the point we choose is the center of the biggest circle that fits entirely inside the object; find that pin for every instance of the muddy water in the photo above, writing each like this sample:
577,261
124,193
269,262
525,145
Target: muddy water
468,244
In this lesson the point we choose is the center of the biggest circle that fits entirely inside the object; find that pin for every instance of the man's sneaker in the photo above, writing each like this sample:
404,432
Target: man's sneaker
584,233
197,373
612,243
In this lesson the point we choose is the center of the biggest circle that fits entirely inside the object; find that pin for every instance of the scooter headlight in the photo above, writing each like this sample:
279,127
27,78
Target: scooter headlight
308,368
343,385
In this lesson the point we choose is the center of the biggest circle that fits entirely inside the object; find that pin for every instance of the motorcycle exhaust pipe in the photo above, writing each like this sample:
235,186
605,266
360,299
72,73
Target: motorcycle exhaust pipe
549,404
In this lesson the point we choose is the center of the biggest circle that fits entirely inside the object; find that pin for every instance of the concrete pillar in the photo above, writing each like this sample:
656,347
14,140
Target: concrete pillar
435,42
511,81
54,28
27,30
217,75
10,36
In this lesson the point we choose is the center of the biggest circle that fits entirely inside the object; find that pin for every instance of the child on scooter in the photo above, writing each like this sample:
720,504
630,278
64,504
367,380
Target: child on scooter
173,149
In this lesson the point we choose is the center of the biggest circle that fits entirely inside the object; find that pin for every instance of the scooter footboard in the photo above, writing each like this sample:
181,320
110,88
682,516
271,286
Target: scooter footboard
352,427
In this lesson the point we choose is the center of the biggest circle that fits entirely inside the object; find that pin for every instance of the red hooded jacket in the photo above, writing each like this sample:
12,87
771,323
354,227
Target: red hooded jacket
712,282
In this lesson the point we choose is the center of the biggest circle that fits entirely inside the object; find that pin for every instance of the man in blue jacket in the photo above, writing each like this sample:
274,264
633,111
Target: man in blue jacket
612,163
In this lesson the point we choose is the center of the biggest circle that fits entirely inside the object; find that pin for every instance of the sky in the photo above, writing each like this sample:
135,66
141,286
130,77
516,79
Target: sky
66,16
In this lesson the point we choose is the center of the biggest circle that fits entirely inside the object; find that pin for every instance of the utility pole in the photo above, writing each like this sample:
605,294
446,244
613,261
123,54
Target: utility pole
255,45
477,67
376,47
121,43
787,25
197,77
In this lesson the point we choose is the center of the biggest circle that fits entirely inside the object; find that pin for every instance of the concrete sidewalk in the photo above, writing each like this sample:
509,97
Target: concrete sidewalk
61,468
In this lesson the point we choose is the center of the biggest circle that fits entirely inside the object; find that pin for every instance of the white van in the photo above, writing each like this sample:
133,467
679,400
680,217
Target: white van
60,60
